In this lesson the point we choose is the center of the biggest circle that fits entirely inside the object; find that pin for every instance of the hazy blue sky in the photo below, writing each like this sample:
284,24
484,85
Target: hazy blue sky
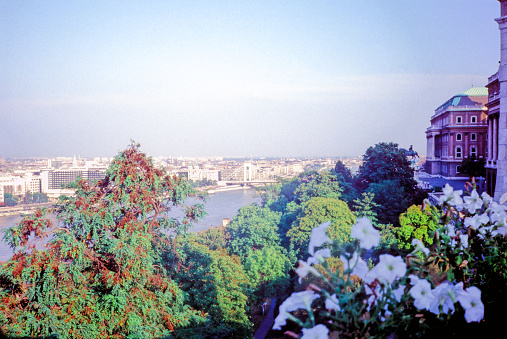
261,78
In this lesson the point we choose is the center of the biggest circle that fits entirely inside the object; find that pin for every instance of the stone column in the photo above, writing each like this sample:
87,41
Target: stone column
501,135
495,138
490,138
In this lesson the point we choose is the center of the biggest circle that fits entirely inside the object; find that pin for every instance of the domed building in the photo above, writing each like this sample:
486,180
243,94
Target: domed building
458,130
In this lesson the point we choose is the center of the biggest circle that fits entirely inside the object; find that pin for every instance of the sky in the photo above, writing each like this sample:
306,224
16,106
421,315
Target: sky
235,78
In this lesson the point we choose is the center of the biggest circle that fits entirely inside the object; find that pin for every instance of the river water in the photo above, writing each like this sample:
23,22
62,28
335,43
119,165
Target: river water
219,205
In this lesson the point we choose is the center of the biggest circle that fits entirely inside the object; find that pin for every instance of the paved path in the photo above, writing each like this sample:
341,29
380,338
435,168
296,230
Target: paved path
267,322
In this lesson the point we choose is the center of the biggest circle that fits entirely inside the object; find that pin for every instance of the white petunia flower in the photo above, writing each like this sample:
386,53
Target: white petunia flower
443,296
398,293
296,301
359,266
470,300
419,247
421,292
473,202
318,237
304,269
476,221
389,268
452,197
318,332
332,303
319,256
365,233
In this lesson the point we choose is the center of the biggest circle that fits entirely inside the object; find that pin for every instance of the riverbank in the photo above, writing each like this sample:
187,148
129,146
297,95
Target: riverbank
22,209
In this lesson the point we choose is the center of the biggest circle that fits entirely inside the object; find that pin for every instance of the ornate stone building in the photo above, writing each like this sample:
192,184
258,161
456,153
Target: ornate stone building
496,164
458,130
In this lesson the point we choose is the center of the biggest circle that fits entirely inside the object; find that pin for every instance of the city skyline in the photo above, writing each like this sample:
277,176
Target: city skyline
257,79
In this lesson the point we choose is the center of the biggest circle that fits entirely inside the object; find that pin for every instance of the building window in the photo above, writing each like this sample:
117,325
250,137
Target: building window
473,136
459,120
473,151
459,137
459,152
473,119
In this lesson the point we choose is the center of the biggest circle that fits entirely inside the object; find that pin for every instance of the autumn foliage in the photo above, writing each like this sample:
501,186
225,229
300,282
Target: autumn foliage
95,265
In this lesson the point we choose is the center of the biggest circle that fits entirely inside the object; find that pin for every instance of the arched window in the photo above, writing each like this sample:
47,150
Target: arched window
459,120
473,119
459,152
473,136
473,151
459,137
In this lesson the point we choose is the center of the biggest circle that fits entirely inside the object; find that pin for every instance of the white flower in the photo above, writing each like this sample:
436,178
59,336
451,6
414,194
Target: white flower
413,279
443,296
419,247
319,256
452,197
476,221
332,303
486,198
421,292
304,269
318,237
470,300
365,233
398,293
359,266
389,268
318,332
473,202
294,302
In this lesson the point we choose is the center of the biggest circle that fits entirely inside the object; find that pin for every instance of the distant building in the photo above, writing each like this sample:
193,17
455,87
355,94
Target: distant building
458,130
54,181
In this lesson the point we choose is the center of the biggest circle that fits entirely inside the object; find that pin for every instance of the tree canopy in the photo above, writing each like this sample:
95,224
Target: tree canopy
103,272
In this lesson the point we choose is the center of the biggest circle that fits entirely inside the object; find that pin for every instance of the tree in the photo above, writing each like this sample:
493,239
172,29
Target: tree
415,224
322,184
315,212
385,161
340,168
217,284
104,272
390,200
253,228
268,271
473,167
10,200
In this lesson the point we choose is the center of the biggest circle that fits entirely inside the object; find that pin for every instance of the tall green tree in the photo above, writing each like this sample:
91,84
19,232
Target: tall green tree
315,212
103,273
385,161
473,167
216,283
253,228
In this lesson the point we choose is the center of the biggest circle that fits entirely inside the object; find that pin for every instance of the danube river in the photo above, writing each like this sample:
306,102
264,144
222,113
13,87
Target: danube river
219,205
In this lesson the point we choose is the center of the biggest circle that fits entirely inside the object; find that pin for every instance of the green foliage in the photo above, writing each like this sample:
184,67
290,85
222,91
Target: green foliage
10,200
104,272
321,184
473,166
214,237
340,168
390,199
215,283
317,211
415,224
267,270
385,161
253,228
366,207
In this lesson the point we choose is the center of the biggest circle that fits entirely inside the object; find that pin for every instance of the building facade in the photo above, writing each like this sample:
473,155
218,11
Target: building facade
458,130
496,164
